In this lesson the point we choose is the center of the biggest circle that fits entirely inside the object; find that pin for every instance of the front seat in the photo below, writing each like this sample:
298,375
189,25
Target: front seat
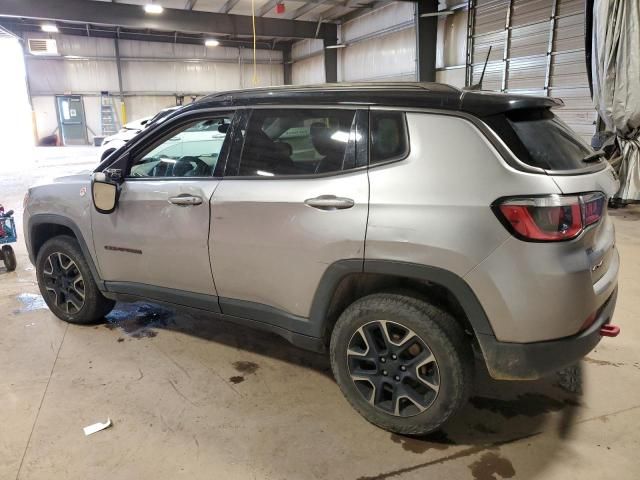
331,149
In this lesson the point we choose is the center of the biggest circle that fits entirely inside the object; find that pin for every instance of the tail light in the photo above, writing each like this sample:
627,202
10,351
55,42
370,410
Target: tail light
550,218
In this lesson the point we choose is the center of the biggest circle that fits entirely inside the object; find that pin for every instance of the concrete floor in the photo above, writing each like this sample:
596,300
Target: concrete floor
194,397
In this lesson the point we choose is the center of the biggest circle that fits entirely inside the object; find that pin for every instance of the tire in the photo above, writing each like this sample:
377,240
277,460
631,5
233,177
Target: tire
66,282
420,334
9,257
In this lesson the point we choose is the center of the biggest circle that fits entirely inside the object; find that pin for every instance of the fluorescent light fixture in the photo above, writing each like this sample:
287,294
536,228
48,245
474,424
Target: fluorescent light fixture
49,28
262,173
211,42
153,8
331,47
441,13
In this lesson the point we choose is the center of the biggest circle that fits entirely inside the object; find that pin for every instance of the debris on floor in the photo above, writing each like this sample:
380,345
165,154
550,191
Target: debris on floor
96,427
30,302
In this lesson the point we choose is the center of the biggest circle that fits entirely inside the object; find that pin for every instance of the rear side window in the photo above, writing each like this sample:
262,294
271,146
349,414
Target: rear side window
389,140
296,142
540,139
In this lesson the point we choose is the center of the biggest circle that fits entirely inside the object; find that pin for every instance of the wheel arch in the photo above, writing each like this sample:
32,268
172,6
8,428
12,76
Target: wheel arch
43,227
348,280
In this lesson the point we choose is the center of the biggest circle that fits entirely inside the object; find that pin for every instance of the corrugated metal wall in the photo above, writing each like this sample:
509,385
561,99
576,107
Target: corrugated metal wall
538,49
152,75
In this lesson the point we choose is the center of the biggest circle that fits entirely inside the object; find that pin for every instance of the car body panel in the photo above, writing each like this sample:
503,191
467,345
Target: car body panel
150,241
269,247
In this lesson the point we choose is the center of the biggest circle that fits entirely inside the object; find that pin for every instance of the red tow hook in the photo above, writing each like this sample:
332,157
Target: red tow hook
609,330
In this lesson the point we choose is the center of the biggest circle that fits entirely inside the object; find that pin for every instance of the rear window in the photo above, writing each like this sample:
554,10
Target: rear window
389,140
540,139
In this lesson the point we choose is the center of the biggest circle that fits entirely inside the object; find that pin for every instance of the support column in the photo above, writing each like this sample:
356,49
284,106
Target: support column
287,65
426,40
331,54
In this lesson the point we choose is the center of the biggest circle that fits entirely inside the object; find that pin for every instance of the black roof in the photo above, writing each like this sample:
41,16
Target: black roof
398,94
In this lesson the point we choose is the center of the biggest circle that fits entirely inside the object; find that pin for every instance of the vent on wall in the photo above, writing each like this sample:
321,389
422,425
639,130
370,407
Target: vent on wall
43,46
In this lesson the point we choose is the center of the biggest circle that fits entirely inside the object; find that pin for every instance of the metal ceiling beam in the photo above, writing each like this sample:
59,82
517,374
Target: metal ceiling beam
134,16
190,4
266,8
19,28
228,6
270,5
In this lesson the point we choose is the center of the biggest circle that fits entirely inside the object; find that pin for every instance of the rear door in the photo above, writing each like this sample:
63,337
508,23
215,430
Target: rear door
294,200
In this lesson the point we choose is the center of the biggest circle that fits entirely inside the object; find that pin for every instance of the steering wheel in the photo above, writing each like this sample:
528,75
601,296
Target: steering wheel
196,167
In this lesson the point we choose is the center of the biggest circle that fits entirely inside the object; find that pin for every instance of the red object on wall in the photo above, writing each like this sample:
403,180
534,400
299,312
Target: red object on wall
280,8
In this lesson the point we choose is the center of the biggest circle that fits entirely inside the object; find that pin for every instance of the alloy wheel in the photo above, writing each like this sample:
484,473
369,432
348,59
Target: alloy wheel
64,282
393,368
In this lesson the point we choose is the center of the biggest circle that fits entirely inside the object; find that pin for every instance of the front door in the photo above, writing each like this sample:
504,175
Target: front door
157,239
71,121
293,201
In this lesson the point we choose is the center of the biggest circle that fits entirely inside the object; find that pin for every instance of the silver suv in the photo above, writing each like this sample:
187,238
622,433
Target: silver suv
410,230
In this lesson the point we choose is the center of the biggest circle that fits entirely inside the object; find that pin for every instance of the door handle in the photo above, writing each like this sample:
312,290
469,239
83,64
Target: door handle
329,202
185,200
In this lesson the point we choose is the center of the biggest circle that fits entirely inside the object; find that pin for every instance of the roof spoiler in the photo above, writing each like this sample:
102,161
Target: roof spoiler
490,103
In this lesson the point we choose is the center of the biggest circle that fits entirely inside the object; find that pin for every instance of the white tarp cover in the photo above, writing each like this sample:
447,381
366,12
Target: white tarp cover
616,83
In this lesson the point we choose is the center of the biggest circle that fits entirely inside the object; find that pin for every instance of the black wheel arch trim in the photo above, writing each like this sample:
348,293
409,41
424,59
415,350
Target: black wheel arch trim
449,280
55,219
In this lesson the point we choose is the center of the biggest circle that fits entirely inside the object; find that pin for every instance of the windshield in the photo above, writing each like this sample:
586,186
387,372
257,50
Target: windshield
540,139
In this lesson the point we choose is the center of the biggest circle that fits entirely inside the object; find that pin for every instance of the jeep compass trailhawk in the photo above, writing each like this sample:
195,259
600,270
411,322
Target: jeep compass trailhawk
401,227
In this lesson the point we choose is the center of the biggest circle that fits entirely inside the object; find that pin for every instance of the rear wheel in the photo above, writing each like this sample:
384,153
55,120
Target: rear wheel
403,364
9,257
66,283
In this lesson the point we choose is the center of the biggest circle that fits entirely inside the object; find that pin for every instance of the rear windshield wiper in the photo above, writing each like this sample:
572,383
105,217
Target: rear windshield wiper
594,157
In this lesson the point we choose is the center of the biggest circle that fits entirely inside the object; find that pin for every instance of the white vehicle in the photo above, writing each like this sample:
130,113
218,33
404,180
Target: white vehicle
129,130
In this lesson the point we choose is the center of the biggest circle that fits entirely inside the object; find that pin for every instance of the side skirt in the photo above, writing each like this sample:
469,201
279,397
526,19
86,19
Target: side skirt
249,314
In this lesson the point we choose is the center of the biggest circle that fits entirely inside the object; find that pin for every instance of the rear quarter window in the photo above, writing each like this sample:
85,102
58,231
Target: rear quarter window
540,139
389,139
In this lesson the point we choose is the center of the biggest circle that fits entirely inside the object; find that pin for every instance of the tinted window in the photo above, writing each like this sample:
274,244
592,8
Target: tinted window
541,139
296,142
388,136
192,152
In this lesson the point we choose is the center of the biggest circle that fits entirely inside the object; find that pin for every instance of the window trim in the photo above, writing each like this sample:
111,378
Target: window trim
170,130
407,135
307,176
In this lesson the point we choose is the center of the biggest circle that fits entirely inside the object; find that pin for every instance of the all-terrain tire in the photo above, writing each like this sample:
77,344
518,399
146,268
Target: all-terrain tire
441,334
61,250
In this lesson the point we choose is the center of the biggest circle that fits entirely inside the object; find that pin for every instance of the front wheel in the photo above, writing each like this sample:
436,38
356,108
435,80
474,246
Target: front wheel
66,282
403,364
9,257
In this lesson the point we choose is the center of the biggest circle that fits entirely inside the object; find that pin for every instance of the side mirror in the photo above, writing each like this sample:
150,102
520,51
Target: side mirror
104,192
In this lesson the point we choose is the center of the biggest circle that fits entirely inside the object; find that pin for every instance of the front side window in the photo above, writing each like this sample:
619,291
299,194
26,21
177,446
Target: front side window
192,151
296,142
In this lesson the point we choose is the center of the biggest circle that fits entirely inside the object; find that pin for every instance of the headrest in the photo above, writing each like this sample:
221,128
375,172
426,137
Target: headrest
322,141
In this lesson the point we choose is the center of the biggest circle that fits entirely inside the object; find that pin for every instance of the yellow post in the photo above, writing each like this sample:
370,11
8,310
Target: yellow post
123,112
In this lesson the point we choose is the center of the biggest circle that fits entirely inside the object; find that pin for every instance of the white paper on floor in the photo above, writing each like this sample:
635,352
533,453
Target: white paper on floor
96,427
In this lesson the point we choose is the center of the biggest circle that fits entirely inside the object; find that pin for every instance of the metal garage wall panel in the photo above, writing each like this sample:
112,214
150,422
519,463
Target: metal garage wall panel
481,47
492,76
529,40
134,48
526,12
451,47
307,47
389,57
568,72
80,46
527,73
394,14
140,107
491,16
55,76
309,71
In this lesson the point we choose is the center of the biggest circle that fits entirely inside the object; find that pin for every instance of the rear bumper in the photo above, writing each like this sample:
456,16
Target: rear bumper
529,361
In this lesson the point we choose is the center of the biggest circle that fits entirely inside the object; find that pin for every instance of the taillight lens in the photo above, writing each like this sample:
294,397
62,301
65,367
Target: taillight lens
550,218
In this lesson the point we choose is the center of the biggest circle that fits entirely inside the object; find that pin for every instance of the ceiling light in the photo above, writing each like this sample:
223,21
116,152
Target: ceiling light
49,28
153,8
441,13
331,47
211,42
